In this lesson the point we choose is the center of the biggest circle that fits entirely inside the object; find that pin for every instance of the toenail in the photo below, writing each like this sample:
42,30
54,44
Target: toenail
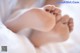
47,9
54,13
51,11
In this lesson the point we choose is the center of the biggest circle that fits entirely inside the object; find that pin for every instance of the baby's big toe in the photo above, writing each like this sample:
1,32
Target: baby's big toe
65,19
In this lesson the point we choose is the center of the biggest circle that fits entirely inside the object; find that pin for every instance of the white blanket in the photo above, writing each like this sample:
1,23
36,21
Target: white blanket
15,43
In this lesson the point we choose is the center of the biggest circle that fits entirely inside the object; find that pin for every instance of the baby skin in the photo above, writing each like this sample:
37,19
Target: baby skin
47,23
59,33
35,18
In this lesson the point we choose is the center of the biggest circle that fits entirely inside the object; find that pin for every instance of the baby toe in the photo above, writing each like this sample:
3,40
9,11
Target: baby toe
57,11
52,9
70,23
58,17
65,19
49,8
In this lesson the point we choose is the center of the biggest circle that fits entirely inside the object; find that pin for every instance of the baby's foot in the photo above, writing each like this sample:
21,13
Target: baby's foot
63,27
36,18
59,33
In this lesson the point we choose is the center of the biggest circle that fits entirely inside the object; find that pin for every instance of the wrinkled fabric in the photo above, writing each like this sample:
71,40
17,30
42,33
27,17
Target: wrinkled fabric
6,7
15,43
